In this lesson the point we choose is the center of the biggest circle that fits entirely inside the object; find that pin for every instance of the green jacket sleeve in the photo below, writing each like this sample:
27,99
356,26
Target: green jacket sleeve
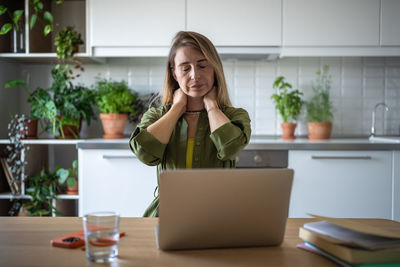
233,136
145,146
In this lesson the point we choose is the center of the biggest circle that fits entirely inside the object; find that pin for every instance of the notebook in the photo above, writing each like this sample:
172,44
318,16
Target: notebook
221,208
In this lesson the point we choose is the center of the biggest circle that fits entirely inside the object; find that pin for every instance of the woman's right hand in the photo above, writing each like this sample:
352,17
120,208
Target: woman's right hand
180,100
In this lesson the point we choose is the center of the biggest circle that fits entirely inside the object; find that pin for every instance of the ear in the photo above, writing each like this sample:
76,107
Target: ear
173,74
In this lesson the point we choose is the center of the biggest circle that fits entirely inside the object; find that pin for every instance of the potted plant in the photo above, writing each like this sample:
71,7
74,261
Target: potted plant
288,103
17,131
43,189
67,42
42,106
69,178
319,107
73,104
115,102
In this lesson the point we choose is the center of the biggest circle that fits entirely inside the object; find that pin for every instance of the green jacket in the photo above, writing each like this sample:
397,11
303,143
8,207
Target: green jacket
211,150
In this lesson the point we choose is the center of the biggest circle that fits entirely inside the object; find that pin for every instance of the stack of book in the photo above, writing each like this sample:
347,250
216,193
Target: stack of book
12,182
353,242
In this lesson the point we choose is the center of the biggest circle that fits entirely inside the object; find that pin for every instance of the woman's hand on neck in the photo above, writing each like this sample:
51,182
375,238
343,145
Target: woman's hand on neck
210,100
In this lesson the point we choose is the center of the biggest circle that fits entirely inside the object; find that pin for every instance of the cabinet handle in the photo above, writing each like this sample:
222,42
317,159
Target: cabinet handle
118,157
341,157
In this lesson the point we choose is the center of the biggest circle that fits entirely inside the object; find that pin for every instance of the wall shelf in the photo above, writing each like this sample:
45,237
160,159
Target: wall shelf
8,195
49,58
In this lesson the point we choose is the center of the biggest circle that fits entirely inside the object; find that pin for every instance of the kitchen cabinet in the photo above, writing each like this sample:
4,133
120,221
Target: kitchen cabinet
236,23
115,180
134,23
390,22
331,23
343,184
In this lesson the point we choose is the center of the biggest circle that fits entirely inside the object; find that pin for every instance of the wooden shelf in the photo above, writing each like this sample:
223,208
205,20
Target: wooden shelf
46,141
49,58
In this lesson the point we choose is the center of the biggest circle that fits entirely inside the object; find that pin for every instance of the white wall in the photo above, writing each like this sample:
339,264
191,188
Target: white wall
358,84
9,97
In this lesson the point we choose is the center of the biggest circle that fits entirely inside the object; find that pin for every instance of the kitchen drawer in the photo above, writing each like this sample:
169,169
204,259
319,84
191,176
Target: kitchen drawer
115,180
341,183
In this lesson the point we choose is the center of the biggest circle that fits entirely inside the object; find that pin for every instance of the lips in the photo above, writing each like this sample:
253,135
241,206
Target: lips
197,85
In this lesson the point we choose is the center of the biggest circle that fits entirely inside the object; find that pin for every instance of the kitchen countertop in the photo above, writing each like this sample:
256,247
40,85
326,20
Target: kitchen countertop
270,143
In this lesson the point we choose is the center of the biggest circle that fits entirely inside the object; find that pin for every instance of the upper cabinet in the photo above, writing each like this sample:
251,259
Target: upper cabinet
236,23
146,28
390,23
331,23
126,28
127,24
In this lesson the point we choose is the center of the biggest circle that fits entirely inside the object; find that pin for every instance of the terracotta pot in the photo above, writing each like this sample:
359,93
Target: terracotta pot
71,131
76,49
319,130
72,190
31,133
288,130
32,129
113,125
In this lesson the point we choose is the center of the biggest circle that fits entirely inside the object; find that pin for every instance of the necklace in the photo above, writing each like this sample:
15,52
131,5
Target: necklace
193,111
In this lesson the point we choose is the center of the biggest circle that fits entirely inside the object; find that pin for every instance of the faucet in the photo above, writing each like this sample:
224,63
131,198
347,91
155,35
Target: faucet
373,117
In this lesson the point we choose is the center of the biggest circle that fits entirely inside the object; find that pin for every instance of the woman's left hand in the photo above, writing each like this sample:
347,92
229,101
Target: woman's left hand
210,99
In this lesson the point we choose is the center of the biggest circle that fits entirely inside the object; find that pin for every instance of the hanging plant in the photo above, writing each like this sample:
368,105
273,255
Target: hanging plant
17,130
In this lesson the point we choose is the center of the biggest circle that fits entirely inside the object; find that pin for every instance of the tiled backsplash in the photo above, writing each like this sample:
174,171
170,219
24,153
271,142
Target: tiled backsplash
357,85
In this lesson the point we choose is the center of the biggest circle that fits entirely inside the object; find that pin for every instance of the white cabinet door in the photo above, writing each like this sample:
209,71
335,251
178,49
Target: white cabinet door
114,180
341,183
135,22
236,22
390,26
331,23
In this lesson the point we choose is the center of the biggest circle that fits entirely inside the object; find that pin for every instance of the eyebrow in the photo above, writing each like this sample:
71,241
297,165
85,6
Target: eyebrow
198,61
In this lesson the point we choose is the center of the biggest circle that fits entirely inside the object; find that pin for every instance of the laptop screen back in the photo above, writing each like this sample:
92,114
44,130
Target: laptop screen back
210,208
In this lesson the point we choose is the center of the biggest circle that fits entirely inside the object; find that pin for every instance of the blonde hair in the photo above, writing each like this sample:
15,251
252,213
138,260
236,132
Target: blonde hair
204,45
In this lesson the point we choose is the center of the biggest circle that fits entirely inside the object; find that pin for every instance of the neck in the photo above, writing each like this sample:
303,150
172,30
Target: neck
194,103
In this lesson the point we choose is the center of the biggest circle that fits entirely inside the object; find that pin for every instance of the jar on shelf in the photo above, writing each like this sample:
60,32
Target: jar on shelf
18,37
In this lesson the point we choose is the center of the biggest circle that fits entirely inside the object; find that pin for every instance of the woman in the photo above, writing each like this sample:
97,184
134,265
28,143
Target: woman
196,127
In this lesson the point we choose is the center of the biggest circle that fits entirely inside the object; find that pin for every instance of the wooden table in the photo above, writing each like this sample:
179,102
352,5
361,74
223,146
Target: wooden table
25,241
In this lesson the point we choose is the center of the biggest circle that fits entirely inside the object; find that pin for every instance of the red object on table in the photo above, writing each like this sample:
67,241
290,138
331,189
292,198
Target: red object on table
73,240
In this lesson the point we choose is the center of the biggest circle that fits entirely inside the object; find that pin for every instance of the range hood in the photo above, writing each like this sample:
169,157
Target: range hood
238,52
249,52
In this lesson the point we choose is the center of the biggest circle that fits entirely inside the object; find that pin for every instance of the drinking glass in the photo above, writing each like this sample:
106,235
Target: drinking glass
101,235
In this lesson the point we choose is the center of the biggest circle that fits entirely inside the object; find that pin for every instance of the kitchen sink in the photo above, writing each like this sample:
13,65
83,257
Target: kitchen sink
391,139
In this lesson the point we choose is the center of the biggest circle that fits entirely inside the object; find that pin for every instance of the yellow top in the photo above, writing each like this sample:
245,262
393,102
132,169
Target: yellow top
189,153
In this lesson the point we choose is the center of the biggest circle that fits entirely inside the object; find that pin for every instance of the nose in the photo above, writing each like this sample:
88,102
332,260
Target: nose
195,74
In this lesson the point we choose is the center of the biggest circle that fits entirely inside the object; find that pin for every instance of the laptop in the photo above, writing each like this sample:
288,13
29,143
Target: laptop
223,208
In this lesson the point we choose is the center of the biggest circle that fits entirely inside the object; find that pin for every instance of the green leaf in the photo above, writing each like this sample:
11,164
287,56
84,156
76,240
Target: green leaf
71,182
33,21
17,15
39,6
62,175
3,9
13,83
47,29
51,110
6,28
48,18
75,164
